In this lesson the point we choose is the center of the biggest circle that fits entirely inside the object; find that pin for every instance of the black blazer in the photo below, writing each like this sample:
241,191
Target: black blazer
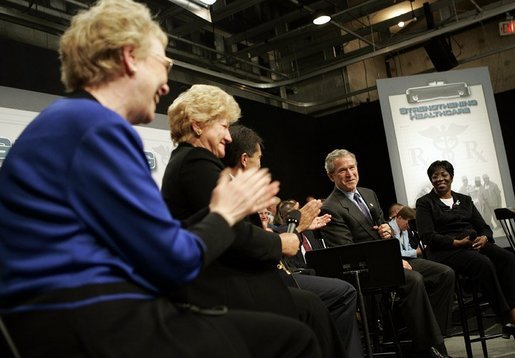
246,275
438,225
348,224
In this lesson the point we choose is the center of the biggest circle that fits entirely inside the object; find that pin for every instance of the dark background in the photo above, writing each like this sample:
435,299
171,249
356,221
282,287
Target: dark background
295,144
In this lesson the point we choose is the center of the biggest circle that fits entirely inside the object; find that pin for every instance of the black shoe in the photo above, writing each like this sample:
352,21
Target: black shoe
508,330
430,353
436,354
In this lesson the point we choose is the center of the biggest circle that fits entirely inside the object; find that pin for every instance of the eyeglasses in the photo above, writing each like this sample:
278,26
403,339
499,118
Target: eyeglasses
166,61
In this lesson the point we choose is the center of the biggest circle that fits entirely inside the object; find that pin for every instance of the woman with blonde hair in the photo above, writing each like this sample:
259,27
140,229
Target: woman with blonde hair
246,276
89,252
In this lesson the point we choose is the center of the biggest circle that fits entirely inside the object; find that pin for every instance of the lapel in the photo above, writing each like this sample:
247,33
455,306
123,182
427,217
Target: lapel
368,198
354,211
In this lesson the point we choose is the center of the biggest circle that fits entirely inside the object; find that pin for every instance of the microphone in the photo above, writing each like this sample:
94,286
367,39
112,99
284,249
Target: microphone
292,219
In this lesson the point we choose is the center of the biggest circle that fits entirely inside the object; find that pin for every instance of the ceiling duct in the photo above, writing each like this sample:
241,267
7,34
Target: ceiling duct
197,8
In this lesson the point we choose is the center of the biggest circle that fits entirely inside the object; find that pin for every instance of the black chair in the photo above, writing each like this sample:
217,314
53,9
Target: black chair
7,347
471,304
506,216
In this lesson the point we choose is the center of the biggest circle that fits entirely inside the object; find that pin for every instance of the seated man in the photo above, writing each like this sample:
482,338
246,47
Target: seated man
244,152
393,210
356,216
438,278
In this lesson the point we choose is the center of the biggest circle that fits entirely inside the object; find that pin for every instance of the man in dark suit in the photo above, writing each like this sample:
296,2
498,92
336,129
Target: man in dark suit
244,152
356,216
438,278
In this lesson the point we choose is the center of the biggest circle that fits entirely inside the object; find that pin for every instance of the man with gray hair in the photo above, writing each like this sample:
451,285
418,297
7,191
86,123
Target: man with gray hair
357,217
244,152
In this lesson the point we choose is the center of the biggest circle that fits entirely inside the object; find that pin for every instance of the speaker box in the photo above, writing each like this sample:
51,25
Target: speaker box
440,53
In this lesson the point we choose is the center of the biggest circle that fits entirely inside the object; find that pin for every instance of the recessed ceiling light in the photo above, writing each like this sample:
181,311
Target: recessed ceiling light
320,19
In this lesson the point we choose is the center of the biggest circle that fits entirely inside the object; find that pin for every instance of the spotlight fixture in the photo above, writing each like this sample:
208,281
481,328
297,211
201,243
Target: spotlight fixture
402,24
207,2
321,18
413,17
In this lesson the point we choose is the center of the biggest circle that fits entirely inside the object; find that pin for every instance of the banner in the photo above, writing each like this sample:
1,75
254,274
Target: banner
446,116
157,143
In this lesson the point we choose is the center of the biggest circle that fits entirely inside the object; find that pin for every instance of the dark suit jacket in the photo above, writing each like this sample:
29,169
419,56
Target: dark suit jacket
438,225
348,224
297,263
246,275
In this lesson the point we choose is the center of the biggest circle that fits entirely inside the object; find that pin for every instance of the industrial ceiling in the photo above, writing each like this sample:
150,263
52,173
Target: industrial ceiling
270,48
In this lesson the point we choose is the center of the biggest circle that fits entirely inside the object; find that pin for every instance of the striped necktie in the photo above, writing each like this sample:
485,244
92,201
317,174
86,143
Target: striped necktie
362,206
306,245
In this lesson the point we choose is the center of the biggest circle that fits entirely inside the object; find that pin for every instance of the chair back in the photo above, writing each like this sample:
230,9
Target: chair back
506,217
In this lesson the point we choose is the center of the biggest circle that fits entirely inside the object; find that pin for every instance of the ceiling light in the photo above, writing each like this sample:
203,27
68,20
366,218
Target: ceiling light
321,18
208,2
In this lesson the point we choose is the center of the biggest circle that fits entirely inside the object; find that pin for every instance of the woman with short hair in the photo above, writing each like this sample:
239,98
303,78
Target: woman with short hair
456,235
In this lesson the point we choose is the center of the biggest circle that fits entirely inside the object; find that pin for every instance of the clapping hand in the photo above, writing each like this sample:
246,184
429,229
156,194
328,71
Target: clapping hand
320,222
308,213
248,192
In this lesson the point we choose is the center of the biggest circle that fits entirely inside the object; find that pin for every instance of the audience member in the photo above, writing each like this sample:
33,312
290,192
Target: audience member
283,209
457,235
89,251
272,210
339,296
393,210
356,216
264,217
246,276
438,278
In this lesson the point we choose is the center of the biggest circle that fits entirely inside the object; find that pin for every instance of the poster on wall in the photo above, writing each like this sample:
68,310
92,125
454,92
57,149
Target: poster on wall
157,143
447,116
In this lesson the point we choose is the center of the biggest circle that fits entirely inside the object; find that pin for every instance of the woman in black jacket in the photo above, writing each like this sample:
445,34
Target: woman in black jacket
457,235
246,275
